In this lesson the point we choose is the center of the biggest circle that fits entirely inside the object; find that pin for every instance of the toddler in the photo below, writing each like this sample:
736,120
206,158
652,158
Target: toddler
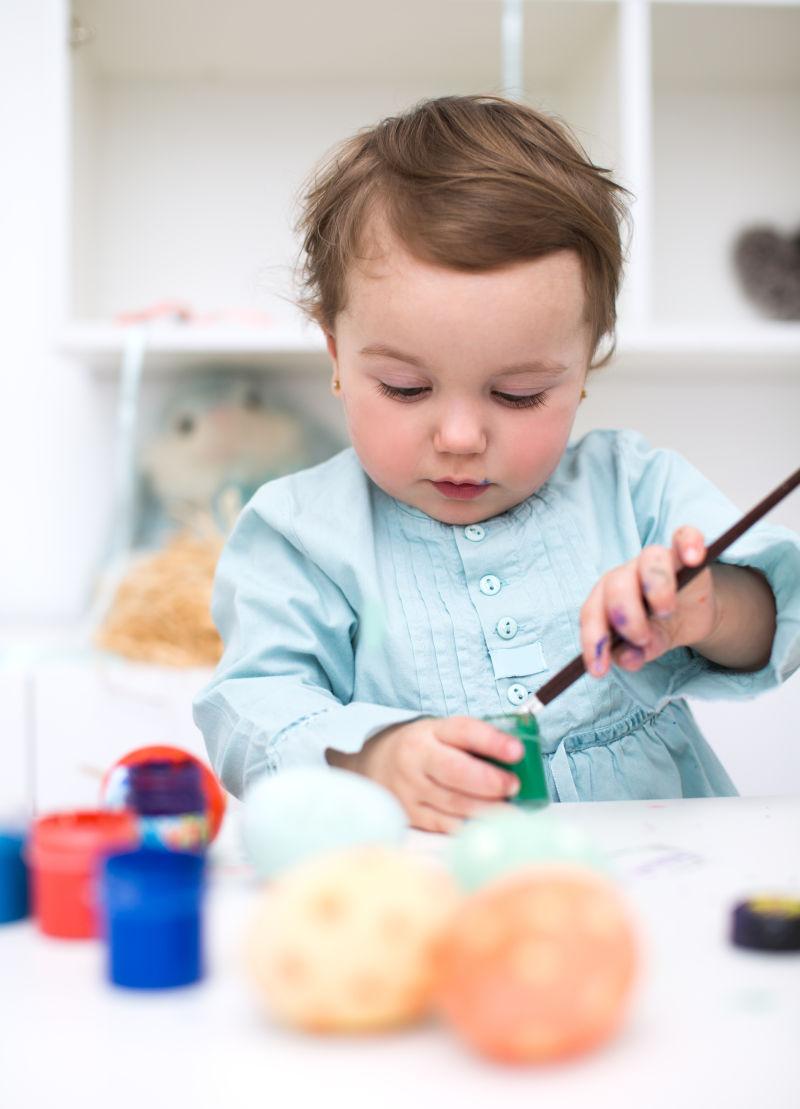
463,261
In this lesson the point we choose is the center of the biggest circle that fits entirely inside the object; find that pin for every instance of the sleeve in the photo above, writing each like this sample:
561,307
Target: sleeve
668,492
282,691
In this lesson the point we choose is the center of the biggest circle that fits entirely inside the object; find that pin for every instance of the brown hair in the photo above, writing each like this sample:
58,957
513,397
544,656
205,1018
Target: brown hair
469,182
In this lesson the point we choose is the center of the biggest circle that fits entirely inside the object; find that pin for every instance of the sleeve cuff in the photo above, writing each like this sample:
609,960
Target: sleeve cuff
345,728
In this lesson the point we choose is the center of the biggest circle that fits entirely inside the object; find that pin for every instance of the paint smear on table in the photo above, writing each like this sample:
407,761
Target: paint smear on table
645,860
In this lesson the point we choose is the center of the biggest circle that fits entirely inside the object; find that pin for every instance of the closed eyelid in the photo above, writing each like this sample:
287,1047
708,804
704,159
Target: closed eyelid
395,382
521,393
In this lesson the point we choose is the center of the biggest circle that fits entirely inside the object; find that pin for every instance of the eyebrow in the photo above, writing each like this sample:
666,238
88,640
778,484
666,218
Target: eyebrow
380,350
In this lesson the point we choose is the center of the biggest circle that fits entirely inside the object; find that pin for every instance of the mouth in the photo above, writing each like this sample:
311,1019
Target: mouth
461,490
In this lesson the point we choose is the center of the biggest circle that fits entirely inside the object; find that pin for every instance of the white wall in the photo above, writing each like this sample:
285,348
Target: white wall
50,469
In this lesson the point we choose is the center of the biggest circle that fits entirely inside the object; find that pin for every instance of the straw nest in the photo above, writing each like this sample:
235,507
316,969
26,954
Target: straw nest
161,612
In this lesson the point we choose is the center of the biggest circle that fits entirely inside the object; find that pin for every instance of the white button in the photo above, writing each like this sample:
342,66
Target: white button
474,532
507,627
517,693
489,584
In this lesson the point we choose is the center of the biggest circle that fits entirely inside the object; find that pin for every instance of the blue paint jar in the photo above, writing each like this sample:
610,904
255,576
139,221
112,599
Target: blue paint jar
14,901
169,800
152,902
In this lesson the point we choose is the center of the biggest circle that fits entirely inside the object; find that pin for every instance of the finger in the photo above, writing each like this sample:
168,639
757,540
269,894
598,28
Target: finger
595,633
453,802
478,737
630,657
468,774
428,819
657,577
624,605
689,545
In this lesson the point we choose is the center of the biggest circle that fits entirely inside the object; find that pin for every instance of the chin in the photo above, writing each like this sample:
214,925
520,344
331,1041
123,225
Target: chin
461,512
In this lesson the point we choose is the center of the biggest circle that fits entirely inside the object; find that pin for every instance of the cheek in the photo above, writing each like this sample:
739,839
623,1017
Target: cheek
535,450
383,440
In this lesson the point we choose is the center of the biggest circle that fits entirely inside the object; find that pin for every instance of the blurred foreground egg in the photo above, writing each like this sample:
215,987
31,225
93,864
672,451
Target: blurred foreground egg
303,811
506,839
347,942
538,966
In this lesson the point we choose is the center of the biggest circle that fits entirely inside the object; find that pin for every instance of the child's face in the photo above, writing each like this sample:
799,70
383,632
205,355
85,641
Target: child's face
450,377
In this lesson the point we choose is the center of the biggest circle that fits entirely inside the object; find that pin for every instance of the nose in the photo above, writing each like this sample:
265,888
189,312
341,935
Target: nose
460,430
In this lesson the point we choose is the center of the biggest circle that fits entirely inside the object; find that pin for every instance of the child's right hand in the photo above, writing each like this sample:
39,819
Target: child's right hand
430,765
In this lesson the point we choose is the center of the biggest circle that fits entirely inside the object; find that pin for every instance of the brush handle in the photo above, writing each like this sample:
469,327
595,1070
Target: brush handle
573,670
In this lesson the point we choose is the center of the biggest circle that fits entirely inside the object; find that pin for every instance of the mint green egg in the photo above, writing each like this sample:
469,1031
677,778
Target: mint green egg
498,843
304,811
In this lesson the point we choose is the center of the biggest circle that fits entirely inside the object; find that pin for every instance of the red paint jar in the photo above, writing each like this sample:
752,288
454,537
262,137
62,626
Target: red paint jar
65,854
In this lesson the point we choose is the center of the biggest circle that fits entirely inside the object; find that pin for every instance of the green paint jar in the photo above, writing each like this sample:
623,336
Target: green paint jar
533,792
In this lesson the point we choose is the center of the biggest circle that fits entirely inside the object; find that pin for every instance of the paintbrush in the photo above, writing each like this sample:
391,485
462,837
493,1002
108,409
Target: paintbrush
573,670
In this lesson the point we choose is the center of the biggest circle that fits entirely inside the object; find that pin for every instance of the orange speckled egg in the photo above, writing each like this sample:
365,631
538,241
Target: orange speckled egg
538,966
346,942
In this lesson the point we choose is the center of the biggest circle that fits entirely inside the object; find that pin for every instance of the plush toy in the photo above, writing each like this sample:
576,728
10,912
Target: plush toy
768,266
218,440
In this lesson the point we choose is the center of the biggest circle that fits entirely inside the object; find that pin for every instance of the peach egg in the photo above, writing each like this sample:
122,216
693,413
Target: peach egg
538,966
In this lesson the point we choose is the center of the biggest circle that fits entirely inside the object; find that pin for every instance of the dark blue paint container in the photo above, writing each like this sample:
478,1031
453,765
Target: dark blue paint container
168,797
14,903
152,905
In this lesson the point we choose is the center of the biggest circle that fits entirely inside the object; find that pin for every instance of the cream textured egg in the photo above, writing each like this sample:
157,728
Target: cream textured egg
348,941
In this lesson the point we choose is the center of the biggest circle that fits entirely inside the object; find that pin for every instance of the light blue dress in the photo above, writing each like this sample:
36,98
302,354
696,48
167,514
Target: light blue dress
343,611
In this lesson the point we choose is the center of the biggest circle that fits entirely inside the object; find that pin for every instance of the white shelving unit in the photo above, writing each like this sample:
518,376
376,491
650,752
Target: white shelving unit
193,125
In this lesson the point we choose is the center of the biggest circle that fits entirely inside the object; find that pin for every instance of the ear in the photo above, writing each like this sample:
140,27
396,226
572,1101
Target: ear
330,343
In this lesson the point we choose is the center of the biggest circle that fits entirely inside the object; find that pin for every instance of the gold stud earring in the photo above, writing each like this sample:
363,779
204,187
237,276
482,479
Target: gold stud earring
583,394
336,386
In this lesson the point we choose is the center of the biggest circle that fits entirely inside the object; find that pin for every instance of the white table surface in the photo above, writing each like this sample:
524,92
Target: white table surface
710,1025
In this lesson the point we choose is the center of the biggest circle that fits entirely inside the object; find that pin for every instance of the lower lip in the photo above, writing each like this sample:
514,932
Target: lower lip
460,492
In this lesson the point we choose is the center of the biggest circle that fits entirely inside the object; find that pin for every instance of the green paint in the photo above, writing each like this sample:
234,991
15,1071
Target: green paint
530,769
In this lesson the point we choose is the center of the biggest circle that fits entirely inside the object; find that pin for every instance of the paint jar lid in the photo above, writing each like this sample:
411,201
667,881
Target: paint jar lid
146,881
161,787
74,840
767,923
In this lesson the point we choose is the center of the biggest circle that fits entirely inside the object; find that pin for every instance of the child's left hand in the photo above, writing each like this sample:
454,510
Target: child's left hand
640,602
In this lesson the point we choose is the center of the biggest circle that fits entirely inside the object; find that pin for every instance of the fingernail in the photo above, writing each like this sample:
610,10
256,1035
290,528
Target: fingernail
597,666
514,789
631,655
514,751
618,618
693,553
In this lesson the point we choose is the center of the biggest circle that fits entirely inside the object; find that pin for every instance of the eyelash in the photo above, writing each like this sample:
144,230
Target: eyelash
532,400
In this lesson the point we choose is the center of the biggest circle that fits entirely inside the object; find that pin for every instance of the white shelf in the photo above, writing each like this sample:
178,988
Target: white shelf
100,344
770,348
773,347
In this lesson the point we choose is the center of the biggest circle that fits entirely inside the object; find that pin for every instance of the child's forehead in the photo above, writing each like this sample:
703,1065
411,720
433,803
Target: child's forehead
389,279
